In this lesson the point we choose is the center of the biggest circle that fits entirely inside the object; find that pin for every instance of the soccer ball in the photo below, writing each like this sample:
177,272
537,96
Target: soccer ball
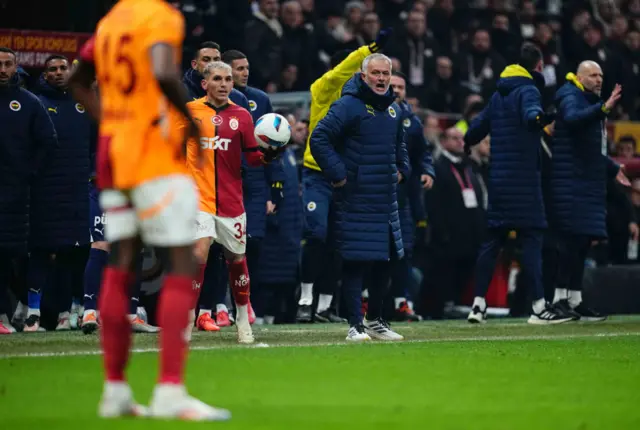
272,131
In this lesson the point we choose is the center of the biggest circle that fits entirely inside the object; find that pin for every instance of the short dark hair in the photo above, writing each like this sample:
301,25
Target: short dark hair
55,57
338,57
205,45
400,75
9,51
231,55
530,56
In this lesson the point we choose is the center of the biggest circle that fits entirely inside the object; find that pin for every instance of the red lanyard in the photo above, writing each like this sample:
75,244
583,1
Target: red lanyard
459,179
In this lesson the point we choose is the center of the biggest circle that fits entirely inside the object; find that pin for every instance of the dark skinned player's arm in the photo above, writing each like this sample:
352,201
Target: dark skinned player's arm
166,72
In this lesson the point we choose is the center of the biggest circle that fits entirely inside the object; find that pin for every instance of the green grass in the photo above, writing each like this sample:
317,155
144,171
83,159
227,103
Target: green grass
503,375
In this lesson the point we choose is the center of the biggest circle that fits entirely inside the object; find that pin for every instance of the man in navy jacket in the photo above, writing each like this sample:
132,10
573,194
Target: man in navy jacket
59,200
26,143
410,199
514,118
359,146
580,170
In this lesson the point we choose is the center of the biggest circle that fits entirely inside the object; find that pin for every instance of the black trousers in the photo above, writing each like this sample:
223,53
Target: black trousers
446,279
573,253
531,244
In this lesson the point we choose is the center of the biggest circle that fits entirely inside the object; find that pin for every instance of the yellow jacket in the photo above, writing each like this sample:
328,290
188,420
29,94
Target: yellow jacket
326,90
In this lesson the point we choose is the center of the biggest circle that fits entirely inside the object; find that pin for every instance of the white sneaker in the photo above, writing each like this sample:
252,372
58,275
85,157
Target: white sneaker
477,315
63,322
117,401
89,321
549,315
357,333
245,334
139,326
75,317
172,402
142,314
4,320
379,329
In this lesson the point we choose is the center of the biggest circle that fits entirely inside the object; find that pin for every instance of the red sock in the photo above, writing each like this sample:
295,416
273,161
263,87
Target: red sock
240,283
115,329
176,299
197,284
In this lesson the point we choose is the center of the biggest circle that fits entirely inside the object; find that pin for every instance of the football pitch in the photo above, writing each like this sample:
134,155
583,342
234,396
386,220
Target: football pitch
445,375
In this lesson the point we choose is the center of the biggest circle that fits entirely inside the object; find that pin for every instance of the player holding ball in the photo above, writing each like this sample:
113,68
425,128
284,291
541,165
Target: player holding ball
226,133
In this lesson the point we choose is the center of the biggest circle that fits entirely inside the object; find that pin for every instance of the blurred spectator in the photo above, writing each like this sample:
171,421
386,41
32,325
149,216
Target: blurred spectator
264,42
441,22
416,49
480,66
572,36
299,48
353,12
623,210
456,224
527,19
605,12
368,29
553,70
504,41
631,66
626,147
443,94
593,48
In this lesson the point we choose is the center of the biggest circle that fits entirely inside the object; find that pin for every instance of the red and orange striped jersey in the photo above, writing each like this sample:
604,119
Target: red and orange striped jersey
135,115
226,133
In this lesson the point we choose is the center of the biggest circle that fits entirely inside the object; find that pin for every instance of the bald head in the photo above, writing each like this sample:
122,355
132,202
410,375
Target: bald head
590,76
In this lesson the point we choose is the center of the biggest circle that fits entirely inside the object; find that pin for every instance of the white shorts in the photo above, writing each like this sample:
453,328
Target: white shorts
162,211
228,232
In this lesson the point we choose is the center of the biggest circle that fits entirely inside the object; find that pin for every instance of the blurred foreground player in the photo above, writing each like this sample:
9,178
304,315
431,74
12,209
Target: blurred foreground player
147,193
227,134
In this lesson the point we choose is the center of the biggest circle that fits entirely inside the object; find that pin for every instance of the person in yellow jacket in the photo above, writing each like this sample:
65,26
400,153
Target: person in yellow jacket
316,190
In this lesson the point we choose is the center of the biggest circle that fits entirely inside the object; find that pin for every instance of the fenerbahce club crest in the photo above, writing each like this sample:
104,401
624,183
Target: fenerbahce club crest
15,105
79,108
392,112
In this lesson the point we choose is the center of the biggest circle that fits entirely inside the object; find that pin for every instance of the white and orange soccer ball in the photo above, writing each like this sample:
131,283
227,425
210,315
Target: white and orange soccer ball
272,131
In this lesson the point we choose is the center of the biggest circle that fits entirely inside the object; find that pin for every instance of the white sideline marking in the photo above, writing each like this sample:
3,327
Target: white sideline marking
331,344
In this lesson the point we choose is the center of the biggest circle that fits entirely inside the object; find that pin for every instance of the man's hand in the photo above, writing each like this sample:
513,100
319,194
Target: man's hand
400,177
271,153
339,184
277,195
622,178
613,99
427,181
381,39
634,231
271,208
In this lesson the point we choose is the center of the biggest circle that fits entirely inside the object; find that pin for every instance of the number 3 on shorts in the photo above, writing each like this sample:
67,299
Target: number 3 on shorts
239,232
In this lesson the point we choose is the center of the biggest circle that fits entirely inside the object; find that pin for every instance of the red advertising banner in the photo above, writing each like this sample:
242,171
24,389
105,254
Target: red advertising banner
33,47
